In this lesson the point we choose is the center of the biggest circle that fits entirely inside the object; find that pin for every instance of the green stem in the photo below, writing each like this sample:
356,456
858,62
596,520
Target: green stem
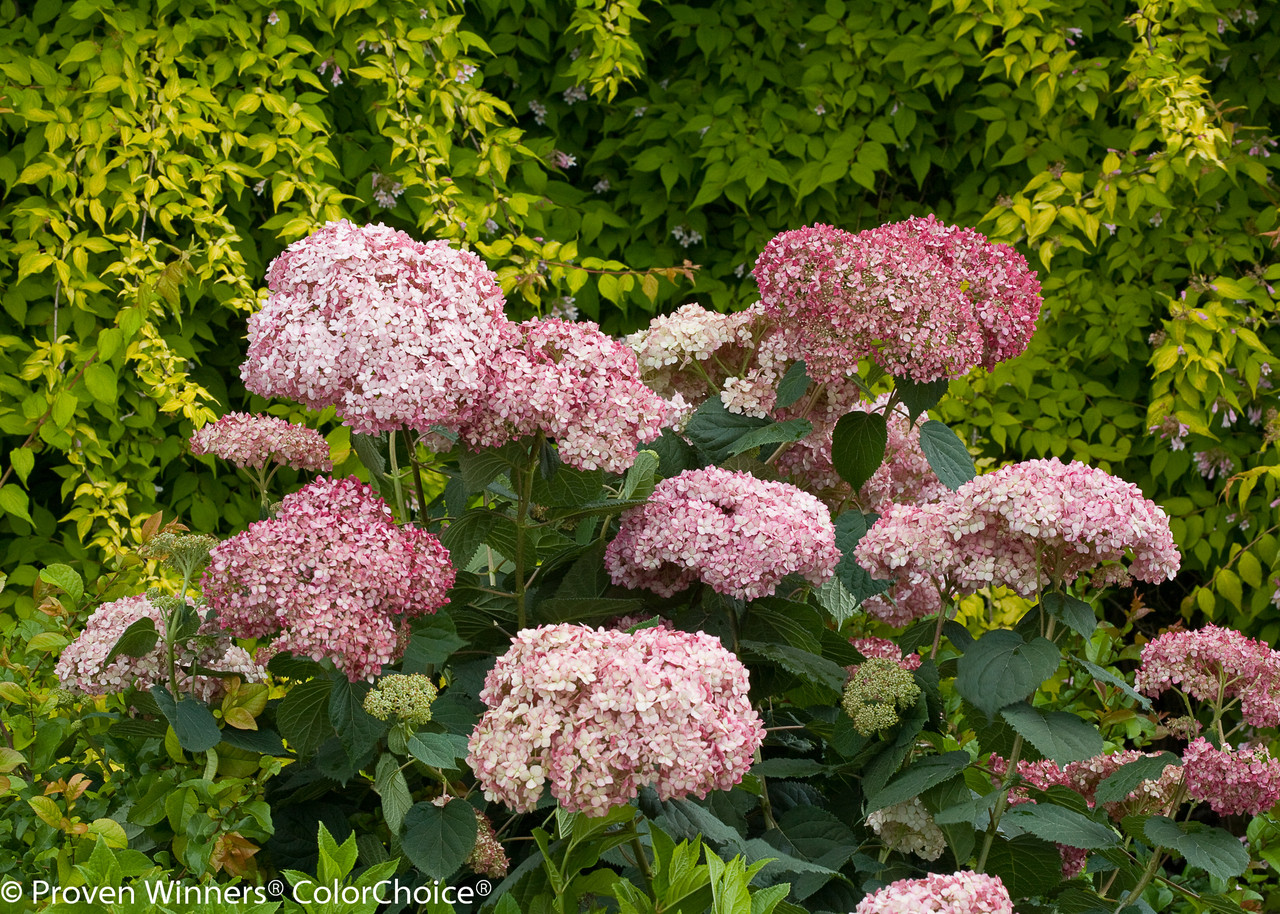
395,478
1002,803
417,484
943,615
522,516
1147,875
643,862
171,622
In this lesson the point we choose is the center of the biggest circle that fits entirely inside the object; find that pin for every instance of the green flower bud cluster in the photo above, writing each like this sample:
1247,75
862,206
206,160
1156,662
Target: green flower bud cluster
406,697
185,553
876,692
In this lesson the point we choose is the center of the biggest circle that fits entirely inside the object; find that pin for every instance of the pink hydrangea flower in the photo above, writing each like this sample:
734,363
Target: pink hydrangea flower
602,713
940,893
253,441
331,575
1202,662
391,331
924,299
1022,527
1232,782
883,647
80,667
737,533
580,387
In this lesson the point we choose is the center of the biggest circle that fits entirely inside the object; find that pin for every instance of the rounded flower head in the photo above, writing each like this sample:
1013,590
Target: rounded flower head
939,893
600,714
405,697
878,688
1232,782
739,534
923,299
253,441
80,668
331,575
578,386
1213,660
1023,526
908,828
389,330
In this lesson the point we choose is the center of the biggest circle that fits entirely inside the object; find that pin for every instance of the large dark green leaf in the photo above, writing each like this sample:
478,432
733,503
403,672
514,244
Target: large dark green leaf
135,641
433,641
192,721
1217,852
918,777
1027,865
1125,779
793,385
851,526
713,429
920,396
1062,826
1000,668
466,534
947,454
801,663
439,750
773,433
437,839
358,729
1077,614
303,715
857,446
1057,735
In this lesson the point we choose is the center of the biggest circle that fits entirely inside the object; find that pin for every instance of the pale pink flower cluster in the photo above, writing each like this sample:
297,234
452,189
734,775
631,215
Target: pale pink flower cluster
81,668
1022,527
331,575
1214,662
924,299
883,647
940,893
904,603
391,331
253,441
908,828
734,532
576,384
1239,782
601,714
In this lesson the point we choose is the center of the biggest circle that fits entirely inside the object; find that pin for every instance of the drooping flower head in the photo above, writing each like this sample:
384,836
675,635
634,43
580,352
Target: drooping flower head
391,331
81,669
575,384
1232,782
921,298
331,575
600,714
1023,526
253,441
908,828
1213,662
737,533
940,893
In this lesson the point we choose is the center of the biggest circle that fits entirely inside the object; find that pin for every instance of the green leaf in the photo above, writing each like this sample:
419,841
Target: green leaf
1000,668
836,600
466,534
135,641
919,397
857,446
947,454
357,728
713,429
439,750
13,500
303,715
101,382
433,642
793,385
66,579
1125,780
23,461
1027,865
851,526
390,784
801,663
1061,826
1217,852
438,839
480,469
1077,614
788,768
639,481
774,433
1104,675
192,721
917,778
1057,735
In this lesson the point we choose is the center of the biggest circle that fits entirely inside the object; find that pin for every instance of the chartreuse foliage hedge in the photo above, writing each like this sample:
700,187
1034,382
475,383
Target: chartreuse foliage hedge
155,156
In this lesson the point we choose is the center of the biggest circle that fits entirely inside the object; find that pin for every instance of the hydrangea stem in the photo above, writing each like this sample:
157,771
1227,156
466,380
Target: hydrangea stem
1002,802
522,517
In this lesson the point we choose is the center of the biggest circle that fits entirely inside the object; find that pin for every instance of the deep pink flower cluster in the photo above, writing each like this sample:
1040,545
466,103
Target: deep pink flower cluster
81,669
1022,527
331,575
1232,782
924,299
391,331
883,647
1213,662
253,441
577,385
602,713
737,533
940,893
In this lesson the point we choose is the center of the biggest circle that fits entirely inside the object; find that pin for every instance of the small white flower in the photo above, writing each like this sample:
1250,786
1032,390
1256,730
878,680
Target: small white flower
273,18
464,74
601,186
538,110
